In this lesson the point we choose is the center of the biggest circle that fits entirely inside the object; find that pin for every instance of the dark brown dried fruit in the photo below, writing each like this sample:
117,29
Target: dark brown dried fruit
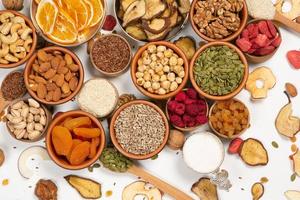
46,190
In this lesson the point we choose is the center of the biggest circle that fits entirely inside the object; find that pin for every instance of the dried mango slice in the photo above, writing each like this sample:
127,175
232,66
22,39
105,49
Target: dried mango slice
62,140
253,152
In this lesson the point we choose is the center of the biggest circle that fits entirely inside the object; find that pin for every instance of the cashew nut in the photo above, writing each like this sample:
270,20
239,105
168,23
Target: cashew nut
14,48
4,51
6,28
26,33
15,28
4,17
20,55
10,39
18,19
27,44
3,61
11,58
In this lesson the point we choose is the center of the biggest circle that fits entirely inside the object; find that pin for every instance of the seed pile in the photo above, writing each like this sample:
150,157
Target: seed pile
140,129
13,86
218,70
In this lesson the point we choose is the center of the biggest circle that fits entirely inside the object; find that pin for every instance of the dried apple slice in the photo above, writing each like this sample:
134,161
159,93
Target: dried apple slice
205,189
257,191
134,12
187,45
156,25
253,152
184,6
136,31
157,37
139,188
296,162
173,19
292,195
154,8
126,3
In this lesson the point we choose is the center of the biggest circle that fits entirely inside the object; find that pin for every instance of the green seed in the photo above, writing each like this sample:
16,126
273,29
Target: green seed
275,145
154,157
293,177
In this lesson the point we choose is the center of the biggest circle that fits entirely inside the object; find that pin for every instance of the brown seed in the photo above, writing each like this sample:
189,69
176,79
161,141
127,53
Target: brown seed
41,91
291,89
73,67
264,180
44,67
293,139
56,94
39,79
62,70
65,88
68,59
50,73
294,148
73,83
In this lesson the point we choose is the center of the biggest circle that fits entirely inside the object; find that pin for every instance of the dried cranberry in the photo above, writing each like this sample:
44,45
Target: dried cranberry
192,93
110,23
181,96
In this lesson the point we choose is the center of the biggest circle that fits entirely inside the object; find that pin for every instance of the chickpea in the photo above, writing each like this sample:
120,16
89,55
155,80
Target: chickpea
179,61
146,60
161,91
140,61
168,53
165,84
140,81
159,67
153,57
178,80
153,65
152,48
173,86
171,76
155,77
181,74
147,77
177,69
160,55
173,61
147,84
141,68
160,73
145,54
139,74
166,68
150,89
151,71
165,61
161,48
155,85
163,78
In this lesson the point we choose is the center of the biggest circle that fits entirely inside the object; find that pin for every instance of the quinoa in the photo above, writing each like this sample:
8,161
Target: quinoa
140,129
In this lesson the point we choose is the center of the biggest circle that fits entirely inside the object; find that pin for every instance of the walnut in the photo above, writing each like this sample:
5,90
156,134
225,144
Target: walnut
13,4
46,190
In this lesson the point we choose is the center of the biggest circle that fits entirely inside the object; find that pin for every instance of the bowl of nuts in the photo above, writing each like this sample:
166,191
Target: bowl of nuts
18,39
229,119
218,20
27,120
218,71
159,70
53,75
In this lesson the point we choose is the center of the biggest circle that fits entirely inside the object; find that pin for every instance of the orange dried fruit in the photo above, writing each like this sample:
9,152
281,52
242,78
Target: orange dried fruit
87,132
46,15
62,140
98,12
80,153
81,12
93,148
75,142
90,11
78,122
65,120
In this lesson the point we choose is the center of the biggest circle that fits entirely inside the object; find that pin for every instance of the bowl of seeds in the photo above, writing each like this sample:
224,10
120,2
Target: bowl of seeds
218,71
139,129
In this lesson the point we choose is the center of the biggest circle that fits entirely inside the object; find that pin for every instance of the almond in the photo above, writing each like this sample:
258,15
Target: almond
44,67
291,89
55,62
33,86
68,76
65,88
50,73
41,91
62,63
60,80
39,79
51,86
42,55
73,67
62,70
56,94
49,96
68,59
35,67
73,83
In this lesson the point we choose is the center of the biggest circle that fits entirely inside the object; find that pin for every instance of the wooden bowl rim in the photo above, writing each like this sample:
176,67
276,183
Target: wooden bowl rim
50,148
138,54
51,49
242,83
217,132
34,40
244,13
115,141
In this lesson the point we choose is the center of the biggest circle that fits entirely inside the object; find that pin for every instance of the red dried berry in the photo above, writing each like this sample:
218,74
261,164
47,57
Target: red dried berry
277,41
189,101
110,23
201,119
187,119
191,124
180,108
245,34
264,51
235,145
171,106
253,30
180,97
294,58
262,40
192,93
193,109
177,121
243,44
272,28
251,51
263,28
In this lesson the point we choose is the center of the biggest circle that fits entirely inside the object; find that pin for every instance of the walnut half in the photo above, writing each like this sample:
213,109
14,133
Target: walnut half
46,190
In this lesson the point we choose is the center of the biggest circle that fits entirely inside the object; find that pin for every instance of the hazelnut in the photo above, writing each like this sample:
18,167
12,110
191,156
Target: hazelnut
176,139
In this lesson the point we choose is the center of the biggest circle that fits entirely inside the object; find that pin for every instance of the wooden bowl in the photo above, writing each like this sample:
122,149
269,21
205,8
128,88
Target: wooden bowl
92,31
233,93
111,74
34,40
186,129
114,138
243,16
225,136
134,65
28,69
61,161
260,59
48,121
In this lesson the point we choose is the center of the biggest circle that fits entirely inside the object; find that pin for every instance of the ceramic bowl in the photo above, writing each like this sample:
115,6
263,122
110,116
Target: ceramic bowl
115,140
222,135
259,59
243,15
134,65
233,93
61,161
111,74
186,129
90,34
34,40
48,121
28,70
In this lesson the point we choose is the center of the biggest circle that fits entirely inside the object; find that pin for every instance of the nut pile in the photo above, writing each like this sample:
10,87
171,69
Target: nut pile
218,19
15,38
160,70
54,76
26,120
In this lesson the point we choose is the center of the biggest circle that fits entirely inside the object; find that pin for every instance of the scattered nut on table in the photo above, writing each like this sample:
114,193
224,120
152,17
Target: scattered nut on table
26,120
15,38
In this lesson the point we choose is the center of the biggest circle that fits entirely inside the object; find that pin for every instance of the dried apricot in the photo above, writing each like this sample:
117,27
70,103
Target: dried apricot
87,132
77,122
80,153
93,148
75,142
62,140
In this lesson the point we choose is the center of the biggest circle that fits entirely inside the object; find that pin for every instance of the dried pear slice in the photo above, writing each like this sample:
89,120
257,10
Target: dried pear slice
187,45
156,25
139,188
257,191
154,8
126,3
157,37
296,162
173,19
87,188
184,6
134,12
253,152
166,13
292,195
205,189
136,31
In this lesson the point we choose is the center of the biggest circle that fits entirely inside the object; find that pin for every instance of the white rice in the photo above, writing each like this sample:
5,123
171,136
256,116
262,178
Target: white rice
262,9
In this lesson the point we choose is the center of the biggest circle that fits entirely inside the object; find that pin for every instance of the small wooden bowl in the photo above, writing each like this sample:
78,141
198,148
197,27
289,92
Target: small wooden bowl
92,31
114,138
233,93
225,136
259,59
243,15
28,69
61,161
34,40
134,65
111,74
186,129
48,121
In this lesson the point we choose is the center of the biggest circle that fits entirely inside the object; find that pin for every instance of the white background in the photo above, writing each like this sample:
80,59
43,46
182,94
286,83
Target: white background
169,165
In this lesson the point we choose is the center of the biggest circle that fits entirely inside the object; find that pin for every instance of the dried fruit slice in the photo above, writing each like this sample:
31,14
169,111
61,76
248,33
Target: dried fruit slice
187,45
65,30
75,142
87,188
81,12
205,189
134,12
90,11
296,162
80,153
87,132
257,191
253,152
98,12
292,195
156,25
294,58
154,8
235,145
77,122
46,15
61,140
156,37
139,188
136,31
126,3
